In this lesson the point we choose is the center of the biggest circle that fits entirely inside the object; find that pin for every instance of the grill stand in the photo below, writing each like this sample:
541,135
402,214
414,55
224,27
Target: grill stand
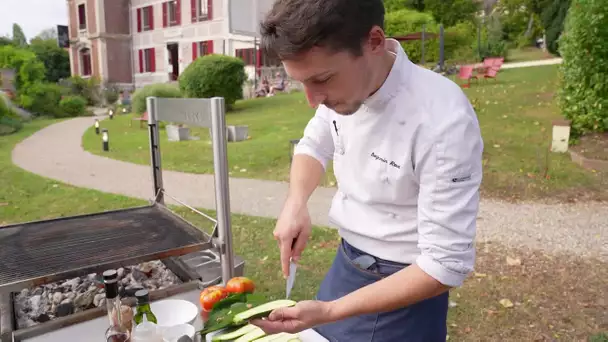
206,113
195,265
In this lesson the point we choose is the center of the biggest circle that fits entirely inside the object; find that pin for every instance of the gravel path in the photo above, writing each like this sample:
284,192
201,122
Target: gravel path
56,152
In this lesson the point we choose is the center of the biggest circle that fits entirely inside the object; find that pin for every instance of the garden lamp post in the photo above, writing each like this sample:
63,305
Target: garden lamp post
96,126
124,110
111,112
105,140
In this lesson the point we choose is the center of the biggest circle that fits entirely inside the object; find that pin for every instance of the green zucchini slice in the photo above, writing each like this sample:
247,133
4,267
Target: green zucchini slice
252,335
234,334
262,310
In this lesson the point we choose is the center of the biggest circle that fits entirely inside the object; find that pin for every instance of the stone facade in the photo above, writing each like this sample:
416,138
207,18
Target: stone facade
135,42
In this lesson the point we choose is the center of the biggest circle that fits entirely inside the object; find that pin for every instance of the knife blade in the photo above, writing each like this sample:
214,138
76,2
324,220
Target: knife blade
291,278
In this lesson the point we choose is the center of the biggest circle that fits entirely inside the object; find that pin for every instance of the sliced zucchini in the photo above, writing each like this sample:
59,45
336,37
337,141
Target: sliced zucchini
276,337
252,335
280,337
234,334
262,310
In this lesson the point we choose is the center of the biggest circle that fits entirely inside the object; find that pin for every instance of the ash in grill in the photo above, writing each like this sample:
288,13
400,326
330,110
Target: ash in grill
59,299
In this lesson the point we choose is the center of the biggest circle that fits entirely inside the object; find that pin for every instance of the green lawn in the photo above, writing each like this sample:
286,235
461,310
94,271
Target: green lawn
528,54
516,114
540,306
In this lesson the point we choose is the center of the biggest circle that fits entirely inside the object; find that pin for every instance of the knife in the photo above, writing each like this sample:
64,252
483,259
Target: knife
291,278
292,272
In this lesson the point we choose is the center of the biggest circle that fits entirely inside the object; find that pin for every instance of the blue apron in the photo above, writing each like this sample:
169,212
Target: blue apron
353,269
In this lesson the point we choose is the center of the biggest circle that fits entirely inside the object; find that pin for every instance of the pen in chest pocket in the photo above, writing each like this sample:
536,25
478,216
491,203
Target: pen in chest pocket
339,144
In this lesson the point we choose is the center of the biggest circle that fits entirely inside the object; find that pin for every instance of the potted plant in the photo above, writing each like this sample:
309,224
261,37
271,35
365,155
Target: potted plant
177,132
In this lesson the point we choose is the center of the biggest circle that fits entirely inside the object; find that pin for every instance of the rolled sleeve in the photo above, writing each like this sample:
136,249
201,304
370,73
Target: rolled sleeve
317,141
450,174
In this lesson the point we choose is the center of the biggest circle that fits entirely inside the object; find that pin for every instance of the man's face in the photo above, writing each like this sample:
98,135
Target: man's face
338,80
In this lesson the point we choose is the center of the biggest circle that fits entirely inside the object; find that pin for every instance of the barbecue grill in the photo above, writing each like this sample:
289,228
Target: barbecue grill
42,252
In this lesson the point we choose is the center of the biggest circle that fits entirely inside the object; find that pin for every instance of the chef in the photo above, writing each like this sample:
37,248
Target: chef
407,155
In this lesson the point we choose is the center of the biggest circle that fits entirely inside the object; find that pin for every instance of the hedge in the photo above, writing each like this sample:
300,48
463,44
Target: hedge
158,90
583,94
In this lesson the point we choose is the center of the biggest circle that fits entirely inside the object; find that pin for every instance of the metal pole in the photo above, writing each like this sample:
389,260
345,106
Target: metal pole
157,173
255,63
222,190
479,40
422,47
441,52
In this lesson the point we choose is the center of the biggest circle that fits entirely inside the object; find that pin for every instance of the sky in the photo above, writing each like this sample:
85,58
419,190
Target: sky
33,16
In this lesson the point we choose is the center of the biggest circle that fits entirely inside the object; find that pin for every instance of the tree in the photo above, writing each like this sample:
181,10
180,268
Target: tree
55,59
583,95
451,12
553,21
50,33
5,40
19,38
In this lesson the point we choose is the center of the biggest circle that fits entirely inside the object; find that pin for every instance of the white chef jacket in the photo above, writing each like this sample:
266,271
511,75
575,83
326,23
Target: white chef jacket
408,166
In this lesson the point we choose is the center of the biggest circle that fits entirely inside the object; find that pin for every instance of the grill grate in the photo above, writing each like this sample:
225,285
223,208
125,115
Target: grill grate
45,251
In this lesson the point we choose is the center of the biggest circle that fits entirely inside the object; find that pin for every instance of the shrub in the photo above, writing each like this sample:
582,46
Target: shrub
110,94
158,90
493,43
583,95
42,99
457,39
88,88
214,75
73,105
28,69
10,121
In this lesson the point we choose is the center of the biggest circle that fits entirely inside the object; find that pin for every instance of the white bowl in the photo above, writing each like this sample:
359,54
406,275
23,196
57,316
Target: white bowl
172,312
172,334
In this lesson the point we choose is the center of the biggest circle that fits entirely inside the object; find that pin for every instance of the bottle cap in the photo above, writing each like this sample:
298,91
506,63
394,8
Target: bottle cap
142,296
110,276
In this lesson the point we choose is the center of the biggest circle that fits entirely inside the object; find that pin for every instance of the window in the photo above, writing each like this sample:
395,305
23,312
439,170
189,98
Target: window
145,19
202,48
85,62
82,17
201,10
172,13
147,60
247,55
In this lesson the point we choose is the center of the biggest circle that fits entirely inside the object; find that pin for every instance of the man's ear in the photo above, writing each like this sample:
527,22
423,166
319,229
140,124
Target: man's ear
376,40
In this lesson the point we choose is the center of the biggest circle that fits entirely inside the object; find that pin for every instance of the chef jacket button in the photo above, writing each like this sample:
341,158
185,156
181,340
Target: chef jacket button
341,150
392,215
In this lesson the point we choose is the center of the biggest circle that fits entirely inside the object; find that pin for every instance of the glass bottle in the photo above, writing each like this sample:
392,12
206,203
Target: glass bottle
116,332
143,308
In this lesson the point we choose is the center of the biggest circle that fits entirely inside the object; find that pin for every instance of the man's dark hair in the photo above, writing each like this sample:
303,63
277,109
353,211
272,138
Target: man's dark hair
295,26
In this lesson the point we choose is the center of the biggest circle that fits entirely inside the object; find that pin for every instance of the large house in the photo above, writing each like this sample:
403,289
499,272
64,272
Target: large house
133,43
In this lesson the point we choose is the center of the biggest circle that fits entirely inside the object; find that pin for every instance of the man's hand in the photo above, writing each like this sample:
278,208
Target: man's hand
302,316
292,232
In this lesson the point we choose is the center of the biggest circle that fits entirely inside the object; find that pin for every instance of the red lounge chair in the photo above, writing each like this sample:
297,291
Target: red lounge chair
466,73
143,118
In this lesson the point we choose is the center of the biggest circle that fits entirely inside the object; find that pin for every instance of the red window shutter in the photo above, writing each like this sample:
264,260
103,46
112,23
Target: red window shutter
210,46
141,61
165,18
139,20
194,50
194,14
178,12
152,60
209,9
151,18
